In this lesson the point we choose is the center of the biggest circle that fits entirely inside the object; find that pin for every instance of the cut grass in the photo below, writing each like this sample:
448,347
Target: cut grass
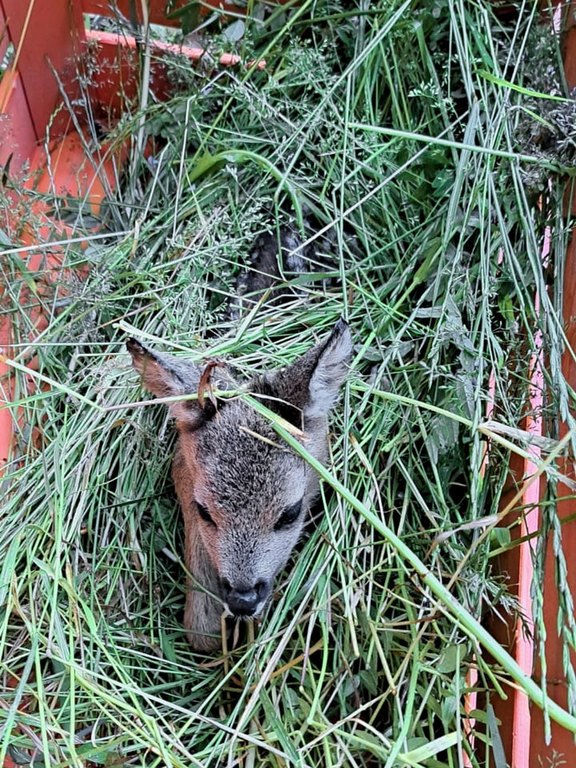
380,135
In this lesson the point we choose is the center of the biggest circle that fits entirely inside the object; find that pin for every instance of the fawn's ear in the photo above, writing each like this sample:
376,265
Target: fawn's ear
330,369
312,382
166,376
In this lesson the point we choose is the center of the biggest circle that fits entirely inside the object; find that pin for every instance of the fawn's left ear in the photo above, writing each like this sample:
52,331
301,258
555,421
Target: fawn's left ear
312,382
327,376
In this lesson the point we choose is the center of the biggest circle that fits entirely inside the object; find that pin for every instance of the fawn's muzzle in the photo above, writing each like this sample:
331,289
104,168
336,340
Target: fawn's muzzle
244,600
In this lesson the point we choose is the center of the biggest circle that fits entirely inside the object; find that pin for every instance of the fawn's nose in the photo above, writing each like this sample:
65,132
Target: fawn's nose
243,600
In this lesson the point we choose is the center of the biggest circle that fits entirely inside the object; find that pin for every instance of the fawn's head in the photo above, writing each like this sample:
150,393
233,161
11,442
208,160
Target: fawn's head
249,493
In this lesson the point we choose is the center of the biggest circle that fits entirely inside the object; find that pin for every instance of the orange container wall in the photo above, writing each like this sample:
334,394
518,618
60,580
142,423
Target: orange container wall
47,38
562,742
27,25
523,726
17,133
157,10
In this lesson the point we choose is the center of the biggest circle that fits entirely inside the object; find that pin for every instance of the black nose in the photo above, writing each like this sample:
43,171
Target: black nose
243,603
242,600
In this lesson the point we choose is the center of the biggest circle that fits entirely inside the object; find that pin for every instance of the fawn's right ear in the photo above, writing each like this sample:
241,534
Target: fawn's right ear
166,376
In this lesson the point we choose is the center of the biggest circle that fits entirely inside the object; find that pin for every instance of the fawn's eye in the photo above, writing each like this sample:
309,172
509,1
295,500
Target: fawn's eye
204,514
289,516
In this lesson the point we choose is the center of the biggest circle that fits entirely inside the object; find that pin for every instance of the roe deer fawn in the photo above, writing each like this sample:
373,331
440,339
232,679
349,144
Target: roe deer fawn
244,495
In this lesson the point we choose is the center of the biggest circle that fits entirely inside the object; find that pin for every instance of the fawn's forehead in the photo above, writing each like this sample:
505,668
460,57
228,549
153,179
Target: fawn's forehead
240,456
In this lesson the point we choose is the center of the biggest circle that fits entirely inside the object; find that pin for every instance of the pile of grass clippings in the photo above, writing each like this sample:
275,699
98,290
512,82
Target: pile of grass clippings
386,133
